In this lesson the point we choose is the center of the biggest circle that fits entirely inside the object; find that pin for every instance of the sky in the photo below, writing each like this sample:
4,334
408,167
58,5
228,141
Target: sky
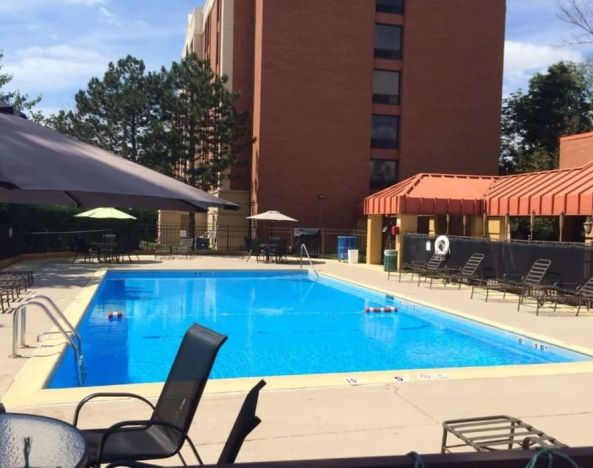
53,47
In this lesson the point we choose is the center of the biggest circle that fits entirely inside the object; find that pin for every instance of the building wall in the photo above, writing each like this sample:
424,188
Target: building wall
451,86
312,96
304,69
576,150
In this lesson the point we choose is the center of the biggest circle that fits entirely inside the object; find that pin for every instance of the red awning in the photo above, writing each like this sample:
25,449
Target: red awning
432,194
546,193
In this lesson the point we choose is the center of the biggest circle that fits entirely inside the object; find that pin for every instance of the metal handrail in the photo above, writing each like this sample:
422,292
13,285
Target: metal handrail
20,315
60,314
303,248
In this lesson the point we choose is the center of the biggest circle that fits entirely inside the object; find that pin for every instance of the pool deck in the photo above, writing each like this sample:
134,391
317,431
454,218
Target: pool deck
332,418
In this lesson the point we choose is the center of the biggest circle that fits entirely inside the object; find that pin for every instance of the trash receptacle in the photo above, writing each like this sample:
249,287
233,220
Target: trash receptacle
390,260
345,243
352,256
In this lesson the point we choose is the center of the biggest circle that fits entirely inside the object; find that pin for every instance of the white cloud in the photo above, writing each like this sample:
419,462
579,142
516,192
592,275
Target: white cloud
39,69
523,59
18,6
105,12
86,2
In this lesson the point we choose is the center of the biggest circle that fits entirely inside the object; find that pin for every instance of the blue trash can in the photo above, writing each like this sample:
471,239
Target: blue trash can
345,243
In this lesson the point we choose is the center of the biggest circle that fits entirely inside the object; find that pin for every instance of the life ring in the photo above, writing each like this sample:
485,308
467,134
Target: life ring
441,245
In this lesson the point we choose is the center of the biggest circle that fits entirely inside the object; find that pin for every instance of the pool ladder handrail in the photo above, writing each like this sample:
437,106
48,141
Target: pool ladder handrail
53,312
303,249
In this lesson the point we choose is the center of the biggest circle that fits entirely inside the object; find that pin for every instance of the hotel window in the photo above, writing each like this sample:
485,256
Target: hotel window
383,173
385,87
388,41
384,131
391,6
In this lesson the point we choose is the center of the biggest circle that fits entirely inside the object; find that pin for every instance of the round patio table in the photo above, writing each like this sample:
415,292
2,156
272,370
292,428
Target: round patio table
30,440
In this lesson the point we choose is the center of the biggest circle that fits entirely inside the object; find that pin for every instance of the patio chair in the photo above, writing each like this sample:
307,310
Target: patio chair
522,285
252,245
580,296
126,247
185,247
82,249
433,266
415,266
246,422
280,250
163,435
492,433
464,275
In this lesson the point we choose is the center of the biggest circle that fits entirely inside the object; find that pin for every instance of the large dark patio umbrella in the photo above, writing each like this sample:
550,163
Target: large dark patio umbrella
40,165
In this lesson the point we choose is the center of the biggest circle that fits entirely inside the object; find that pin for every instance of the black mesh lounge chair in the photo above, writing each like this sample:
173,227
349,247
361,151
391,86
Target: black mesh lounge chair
522,285
579,296
246,422
163,435
434,266
415,268
464,275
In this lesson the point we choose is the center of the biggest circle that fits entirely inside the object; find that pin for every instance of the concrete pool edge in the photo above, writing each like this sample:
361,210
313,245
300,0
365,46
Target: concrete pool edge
28,386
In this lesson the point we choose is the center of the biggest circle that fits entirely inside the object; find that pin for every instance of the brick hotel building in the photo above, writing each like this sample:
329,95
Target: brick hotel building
350,96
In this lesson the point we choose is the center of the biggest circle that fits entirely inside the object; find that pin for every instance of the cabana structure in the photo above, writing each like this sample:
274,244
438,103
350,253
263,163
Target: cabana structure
479,206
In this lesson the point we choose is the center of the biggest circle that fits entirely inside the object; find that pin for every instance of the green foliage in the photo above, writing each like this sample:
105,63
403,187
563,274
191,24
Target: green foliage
558,103
21,102
27,219
180,121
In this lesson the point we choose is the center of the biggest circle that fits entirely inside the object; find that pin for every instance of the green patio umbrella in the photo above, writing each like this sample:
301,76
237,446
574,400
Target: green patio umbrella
105,213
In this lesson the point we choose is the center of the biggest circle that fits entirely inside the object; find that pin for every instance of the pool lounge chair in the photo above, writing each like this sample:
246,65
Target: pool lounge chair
417,267
579,296
434,266
464,275
522,285
165,432
246,422
491,433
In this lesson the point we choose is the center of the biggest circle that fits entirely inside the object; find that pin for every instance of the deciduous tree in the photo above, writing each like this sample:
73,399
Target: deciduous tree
558,102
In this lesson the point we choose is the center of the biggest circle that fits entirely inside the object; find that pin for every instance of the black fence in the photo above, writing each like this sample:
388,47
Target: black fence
571,262
320,242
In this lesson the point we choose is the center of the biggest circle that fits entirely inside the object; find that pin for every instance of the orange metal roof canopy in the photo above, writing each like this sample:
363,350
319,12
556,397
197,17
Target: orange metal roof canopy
547,193
431,194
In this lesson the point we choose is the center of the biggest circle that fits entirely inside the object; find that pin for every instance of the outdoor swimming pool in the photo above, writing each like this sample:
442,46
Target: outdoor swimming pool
278,323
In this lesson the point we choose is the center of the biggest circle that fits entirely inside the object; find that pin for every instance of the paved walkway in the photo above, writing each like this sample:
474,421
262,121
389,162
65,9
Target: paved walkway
350,420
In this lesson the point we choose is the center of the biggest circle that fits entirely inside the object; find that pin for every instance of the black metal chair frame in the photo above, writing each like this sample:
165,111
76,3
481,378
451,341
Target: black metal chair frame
156,419
522,285
581,295
245,422
460,275
435,265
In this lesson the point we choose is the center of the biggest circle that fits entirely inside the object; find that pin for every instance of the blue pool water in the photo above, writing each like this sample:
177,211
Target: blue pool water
278,323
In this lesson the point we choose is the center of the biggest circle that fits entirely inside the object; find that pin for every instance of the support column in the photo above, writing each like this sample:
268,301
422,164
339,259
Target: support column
374,238
497,227
476,226
407,224
432,226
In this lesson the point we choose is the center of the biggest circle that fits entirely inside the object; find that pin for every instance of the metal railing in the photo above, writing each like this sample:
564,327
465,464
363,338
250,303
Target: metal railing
53,312
304,250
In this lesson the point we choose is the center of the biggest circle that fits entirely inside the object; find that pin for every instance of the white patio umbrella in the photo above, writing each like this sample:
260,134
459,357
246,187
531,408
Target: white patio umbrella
104,213
273,216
